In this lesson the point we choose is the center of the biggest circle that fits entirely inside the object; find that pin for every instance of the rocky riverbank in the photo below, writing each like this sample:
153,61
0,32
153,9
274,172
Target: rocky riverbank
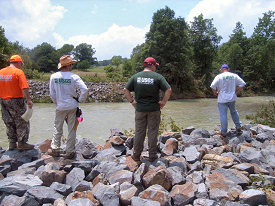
97,92
195,167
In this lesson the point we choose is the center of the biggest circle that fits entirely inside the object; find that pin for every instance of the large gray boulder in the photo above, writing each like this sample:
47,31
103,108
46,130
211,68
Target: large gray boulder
43,194
18,185
253,197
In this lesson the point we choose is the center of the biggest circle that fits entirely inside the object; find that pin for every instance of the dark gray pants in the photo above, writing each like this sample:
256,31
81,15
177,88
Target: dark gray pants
144,121
18,130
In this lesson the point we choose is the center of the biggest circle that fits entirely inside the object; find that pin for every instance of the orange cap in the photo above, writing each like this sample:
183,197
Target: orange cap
16,58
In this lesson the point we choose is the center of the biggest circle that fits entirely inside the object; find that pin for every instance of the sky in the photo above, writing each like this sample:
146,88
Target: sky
115,27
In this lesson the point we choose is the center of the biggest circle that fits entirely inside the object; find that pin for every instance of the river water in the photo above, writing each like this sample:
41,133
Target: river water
99,118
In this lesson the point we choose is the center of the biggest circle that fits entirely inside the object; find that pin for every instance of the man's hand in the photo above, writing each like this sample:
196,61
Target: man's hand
30,104
167,94
27,96
215,92
161,104
134,104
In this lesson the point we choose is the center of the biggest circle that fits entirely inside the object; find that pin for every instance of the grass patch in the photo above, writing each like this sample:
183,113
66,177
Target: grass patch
99,69
46,99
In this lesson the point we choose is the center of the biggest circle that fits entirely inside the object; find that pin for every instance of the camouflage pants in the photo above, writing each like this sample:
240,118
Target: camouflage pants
17,129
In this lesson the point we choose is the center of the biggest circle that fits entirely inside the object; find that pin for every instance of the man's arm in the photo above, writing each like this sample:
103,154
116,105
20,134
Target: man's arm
239,89
52,91
216,92
83,90
27,96
129,97
165,98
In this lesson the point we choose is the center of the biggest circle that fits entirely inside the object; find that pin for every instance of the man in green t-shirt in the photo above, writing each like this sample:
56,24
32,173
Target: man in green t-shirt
146,85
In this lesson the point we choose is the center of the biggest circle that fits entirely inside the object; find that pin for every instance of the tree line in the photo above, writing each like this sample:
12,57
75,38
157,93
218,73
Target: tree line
190,55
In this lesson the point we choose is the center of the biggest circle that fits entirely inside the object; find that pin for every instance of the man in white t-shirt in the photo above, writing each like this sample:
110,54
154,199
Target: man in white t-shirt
226,86
63,85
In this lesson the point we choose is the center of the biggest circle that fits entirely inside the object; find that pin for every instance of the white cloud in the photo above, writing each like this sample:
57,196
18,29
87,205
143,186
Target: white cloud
227,13
115,41
29,21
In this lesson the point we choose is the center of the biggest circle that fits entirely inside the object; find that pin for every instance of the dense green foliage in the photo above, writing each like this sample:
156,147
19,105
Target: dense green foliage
204,44
189,55
266,115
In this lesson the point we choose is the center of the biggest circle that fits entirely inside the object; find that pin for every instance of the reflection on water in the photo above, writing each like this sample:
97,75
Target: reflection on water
99,118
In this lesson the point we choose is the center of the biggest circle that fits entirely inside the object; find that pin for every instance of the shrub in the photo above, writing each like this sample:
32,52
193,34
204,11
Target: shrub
266,115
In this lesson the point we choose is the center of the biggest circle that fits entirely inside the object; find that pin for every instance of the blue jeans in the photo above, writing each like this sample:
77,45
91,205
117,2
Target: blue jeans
223,115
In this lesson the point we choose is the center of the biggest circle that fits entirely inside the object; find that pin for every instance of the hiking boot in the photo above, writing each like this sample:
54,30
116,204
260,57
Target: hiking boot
221,134
12,145
136,159
69,155
239,130
24,146
54,152
153,158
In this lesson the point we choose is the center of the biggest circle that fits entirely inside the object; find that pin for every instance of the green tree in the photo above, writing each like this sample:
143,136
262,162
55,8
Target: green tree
231,54
84,52
5,49
205,42
127,68
168,42
139,53
66,49
83,65
260,69
45,56
116,61
239,45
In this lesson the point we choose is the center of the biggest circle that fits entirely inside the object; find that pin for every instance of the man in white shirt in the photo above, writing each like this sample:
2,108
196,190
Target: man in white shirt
63,85
226,86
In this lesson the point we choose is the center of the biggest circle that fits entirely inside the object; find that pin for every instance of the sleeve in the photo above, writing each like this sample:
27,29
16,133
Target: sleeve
240,82
52,90
130,84
164,84
214,83
23,84
83,89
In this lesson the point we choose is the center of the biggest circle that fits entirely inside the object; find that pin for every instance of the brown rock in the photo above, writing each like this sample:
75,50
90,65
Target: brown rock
107,145
116,141
86,194
270,195
158,175
156,193
121,176
100,178
44,146
219,150
50,176
127,191
245,147
222,188
217,161
133,165
171,146
47,158
183,194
